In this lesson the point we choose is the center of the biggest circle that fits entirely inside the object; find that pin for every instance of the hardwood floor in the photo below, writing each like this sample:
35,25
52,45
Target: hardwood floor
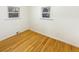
29,41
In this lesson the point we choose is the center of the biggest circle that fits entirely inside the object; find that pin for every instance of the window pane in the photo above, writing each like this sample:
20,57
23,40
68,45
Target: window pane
11,15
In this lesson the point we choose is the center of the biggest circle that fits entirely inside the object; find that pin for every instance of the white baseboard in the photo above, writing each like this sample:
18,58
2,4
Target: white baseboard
42,34
9,35
76,45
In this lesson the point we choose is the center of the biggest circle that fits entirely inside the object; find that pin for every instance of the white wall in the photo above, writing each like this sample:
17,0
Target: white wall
9,27
64,26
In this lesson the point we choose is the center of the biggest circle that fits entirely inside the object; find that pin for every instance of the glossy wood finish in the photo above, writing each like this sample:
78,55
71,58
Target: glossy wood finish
29,41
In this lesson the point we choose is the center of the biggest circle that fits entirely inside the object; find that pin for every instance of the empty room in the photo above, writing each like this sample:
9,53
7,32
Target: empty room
39,28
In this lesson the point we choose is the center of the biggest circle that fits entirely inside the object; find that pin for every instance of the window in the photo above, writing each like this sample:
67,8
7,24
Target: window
13,12
45,12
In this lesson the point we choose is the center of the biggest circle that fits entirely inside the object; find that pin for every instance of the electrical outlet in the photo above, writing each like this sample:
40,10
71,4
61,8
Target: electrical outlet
17,33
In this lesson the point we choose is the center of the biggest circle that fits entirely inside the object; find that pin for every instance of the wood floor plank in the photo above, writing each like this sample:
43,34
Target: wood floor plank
7,43
22,40
30,41
49,46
